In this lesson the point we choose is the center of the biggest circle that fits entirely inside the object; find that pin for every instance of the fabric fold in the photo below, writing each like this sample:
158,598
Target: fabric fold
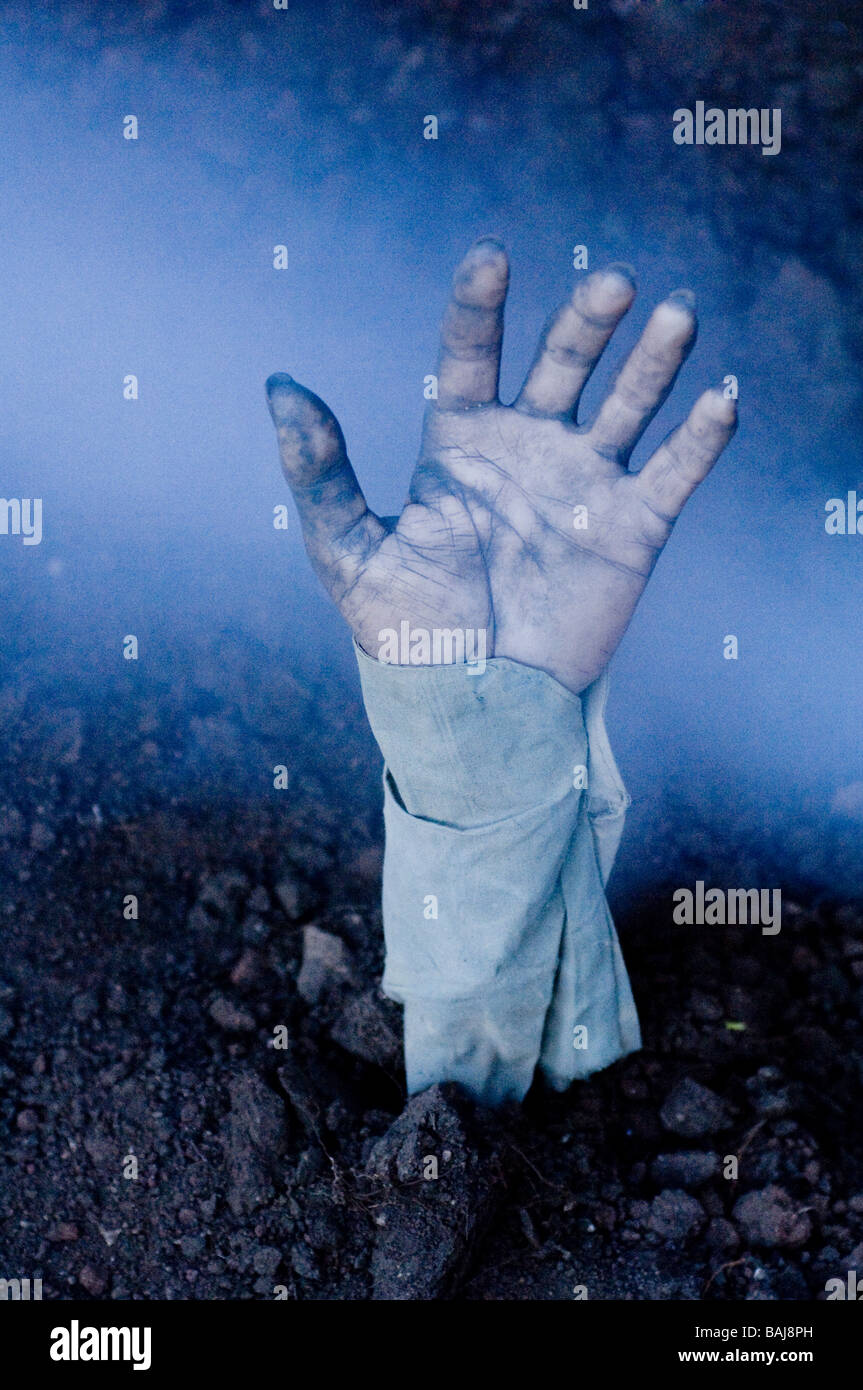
503,811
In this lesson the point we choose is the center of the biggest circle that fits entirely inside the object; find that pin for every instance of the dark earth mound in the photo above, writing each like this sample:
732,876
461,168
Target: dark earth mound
199,1103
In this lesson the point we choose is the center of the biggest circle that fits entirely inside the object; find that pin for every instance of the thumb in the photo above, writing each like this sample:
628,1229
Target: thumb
315,462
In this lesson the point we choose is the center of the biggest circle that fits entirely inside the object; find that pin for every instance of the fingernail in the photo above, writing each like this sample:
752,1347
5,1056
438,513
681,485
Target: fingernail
682,299
622,269
278,381
728,403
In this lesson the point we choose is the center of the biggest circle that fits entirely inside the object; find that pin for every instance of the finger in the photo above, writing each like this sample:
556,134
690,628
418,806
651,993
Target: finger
573,341
472,329
647,376
315,462
685,458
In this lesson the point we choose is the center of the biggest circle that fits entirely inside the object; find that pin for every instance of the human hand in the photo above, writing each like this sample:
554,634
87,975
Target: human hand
520,522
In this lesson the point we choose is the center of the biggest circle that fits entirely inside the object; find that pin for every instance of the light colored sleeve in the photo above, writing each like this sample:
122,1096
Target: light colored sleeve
499,941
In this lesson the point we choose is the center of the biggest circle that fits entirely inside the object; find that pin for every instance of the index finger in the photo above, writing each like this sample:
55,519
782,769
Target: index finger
472,329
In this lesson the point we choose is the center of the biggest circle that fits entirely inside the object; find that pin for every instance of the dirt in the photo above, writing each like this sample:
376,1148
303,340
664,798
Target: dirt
206,1101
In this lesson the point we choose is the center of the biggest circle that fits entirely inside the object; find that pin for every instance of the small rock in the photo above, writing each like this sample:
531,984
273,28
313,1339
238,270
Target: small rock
769,1096
674,1215
688,1169
364,1029
769,1217
94,1280
428,1226
303,1262
231,1016
326,963
64,1230
254,1138
692,1110
296,898
266,1260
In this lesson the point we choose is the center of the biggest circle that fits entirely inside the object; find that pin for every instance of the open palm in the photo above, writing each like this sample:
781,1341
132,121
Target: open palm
520,522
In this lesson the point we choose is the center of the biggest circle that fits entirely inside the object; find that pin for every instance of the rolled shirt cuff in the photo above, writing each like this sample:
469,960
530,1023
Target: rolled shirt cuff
503,810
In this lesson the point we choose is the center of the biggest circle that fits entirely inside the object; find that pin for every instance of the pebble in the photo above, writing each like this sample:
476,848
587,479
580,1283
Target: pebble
266,1260
692,1110
64,1230
326,964
687,1169
675,1215
94,1280
231,1016
295,897
770,1217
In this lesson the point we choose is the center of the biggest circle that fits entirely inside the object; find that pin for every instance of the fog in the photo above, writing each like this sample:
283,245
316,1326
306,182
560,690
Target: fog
154,257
